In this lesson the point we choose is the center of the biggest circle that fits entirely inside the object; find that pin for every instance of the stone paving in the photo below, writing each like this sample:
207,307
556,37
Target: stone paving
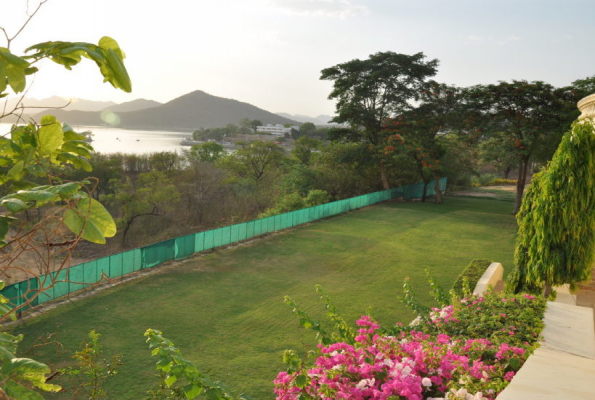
564,366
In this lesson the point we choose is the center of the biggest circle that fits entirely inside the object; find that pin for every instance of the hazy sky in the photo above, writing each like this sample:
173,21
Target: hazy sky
270,52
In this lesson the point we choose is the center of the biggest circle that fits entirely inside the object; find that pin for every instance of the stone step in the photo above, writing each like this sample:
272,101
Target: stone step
564,366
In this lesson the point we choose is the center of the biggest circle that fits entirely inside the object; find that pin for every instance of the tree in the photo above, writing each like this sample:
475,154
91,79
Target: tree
555,244
528,113
254,160
370,92
306,129
151,194
255,123
207,152
420,132
304,147
499,150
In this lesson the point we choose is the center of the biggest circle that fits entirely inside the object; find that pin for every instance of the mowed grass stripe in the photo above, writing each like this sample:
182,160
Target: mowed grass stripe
225,310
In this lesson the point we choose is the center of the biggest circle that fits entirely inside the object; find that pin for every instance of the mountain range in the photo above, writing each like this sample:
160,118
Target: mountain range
320,120
188,112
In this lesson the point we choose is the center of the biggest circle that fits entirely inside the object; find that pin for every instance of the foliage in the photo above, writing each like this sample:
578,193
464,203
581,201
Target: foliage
33,156
304,148
502,182
19,376
180,379
151,194
369,92
253,160
411,366
469,277
501,151
529,114
207,152
474,346
556,235
294,201
420,132
92,371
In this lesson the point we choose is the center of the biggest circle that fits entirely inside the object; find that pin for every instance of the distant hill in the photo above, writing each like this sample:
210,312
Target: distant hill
134,105
320,120
63,103
189,112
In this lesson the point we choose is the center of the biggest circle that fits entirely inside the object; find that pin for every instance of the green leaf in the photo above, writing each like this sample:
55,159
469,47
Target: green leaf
4,225
36,194
170,380
114,71
214,394
192,390
66,189
301,381
35,170
16,172
77,161
96,220
51,136
13,70
22,366
77,147
16,391
13,205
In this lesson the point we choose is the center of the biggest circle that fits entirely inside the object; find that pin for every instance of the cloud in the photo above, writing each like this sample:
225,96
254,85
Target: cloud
320,8
508,39
477,40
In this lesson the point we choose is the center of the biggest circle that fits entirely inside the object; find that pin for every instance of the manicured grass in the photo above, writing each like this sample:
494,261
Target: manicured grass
225,311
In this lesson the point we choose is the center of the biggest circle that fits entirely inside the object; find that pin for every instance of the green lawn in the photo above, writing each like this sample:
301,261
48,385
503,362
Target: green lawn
225,311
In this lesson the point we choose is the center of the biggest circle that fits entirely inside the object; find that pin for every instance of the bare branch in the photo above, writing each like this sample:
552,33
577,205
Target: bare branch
30,16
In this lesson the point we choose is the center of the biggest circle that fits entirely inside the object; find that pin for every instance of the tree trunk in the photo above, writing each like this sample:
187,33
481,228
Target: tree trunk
424,192
507,172
437,189
383,176
547,290
520,184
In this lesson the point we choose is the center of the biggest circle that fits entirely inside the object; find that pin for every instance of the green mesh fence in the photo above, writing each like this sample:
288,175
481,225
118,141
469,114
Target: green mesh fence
39,290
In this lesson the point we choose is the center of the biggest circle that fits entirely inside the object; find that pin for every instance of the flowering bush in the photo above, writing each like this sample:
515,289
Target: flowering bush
513,319
468,350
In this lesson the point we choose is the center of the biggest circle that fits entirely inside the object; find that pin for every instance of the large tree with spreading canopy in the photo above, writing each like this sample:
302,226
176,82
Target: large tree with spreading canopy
372,91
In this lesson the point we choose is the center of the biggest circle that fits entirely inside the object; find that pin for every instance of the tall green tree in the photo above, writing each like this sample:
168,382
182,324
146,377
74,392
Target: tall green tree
420,132
529,113
555,244
370,92
254,160
207,152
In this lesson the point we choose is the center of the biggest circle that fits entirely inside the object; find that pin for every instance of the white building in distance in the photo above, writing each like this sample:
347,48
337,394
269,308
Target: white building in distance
276,129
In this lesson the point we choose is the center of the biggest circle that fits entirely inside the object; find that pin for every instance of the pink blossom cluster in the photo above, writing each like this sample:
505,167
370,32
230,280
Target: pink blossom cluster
413,366
440,316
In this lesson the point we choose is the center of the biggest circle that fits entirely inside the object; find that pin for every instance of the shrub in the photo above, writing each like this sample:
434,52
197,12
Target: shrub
469,349
471,273
501,181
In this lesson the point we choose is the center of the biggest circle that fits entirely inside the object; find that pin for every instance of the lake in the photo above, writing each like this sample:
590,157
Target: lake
114,140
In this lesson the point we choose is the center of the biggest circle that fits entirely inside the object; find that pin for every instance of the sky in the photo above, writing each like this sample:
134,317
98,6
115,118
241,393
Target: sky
269,53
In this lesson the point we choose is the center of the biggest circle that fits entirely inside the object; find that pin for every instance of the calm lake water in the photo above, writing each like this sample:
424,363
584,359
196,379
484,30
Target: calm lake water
114,140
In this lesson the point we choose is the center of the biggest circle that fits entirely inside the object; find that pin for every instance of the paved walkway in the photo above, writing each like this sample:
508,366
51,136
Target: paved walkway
564,366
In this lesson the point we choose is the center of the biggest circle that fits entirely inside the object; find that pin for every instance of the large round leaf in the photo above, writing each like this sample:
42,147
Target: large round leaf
91,220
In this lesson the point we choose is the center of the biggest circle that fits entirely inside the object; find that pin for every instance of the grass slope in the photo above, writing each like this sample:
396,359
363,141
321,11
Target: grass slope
225,310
